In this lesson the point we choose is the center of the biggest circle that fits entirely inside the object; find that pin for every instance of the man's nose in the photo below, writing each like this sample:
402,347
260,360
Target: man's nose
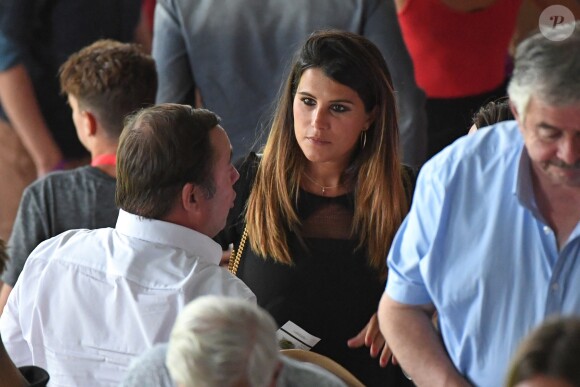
569,150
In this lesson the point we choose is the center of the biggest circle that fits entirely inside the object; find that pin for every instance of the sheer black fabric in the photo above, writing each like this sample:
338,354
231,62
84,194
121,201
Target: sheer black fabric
329,291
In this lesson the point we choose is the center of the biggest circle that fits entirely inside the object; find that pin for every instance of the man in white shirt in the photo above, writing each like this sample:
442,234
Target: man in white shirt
88,302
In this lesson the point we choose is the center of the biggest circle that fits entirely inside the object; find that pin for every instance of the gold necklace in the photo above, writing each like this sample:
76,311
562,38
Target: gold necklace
320,185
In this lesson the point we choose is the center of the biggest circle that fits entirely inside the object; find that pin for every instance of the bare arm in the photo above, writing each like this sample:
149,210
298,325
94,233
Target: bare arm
19,101
143,32
410,333
400,4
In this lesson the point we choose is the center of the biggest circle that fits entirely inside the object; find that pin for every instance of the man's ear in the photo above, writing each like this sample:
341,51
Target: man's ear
517,116
514,111
192,196
188,196
276,374
89,123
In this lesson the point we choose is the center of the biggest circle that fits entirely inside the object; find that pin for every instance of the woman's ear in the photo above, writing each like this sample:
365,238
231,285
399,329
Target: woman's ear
371,117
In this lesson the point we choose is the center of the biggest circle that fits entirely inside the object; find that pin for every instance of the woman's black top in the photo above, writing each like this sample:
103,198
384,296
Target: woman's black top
329,291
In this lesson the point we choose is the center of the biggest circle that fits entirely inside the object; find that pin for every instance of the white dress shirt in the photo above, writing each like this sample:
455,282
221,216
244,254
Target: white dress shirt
89,301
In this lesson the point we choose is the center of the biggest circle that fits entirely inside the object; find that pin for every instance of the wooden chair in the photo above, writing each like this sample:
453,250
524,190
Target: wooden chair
324,362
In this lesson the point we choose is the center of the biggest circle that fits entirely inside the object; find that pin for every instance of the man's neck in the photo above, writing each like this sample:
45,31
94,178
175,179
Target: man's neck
103,150
558,204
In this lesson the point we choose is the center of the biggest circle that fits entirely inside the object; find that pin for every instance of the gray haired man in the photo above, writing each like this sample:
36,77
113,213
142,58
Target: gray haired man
493,239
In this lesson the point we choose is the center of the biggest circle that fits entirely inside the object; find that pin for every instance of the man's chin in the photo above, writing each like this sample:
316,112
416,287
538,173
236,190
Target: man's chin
568,178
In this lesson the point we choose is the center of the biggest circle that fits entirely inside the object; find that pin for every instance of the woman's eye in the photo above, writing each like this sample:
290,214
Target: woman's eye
339,108
308,101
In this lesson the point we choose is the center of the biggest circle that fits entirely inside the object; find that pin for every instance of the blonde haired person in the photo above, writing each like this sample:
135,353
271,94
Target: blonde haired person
224,342
217,341
320,207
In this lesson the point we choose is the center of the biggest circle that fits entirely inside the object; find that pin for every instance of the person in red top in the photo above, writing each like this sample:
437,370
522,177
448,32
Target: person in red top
460,51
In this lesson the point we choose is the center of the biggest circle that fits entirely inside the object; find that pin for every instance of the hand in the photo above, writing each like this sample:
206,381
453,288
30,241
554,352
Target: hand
372,337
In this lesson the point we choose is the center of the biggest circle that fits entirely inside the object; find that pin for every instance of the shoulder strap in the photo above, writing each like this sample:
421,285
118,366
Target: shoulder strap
247,174
236,255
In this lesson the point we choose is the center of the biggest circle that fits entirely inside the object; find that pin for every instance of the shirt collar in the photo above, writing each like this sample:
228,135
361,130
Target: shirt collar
523,186
171,234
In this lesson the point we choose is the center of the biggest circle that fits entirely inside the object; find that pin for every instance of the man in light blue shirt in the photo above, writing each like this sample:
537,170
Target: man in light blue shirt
492,241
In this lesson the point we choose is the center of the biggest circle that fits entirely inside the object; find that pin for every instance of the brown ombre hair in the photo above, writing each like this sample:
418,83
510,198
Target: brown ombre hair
380,199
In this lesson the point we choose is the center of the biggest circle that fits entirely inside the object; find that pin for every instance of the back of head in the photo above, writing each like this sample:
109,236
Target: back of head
161,149
110,79
492,113
219,341
547,67
552,350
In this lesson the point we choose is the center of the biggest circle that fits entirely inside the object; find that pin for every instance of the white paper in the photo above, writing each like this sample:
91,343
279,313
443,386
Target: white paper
291,336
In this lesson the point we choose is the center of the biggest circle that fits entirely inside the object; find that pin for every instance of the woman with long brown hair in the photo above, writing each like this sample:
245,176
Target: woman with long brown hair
317,211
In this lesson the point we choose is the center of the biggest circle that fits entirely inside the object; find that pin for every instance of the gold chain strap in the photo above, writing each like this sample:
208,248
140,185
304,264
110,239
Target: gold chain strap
236,255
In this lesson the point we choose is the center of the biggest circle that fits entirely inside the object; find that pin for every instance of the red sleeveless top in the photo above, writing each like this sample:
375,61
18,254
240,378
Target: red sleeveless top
458,54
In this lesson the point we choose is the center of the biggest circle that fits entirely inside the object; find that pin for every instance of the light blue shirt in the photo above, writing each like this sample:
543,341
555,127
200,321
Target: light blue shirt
475,246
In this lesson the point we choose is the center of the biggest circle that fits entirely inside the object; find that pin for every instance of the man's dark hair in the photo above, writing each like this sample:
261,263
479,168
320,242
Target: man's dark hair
161,149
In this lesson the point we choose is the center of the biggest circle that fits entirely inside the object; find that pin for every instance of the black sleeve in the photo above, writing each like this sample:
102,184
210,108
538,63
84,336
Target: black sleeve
247,167
35,376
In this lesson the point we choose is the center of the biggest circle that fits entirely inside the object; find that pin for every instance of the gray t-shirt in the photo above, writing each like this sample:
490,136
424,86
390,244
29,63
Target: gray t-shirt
149,370
61,201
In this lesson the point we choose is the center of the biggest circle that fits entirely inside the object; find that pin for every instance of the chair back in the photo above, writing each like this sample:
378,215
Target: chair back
324,362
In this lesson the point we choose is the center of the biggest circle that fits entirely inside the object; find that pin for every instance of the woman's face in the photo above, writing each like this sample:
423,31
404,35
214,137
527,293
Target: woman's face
328,118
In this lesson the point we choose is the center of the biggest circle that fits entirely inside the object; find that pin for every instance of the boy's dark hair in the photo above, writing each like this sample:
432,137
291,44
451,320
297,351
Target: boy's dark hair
111,80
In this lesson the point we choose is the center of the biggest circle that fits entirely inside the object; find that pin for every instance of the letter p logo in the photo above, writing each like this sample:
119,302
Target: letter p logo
556,22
